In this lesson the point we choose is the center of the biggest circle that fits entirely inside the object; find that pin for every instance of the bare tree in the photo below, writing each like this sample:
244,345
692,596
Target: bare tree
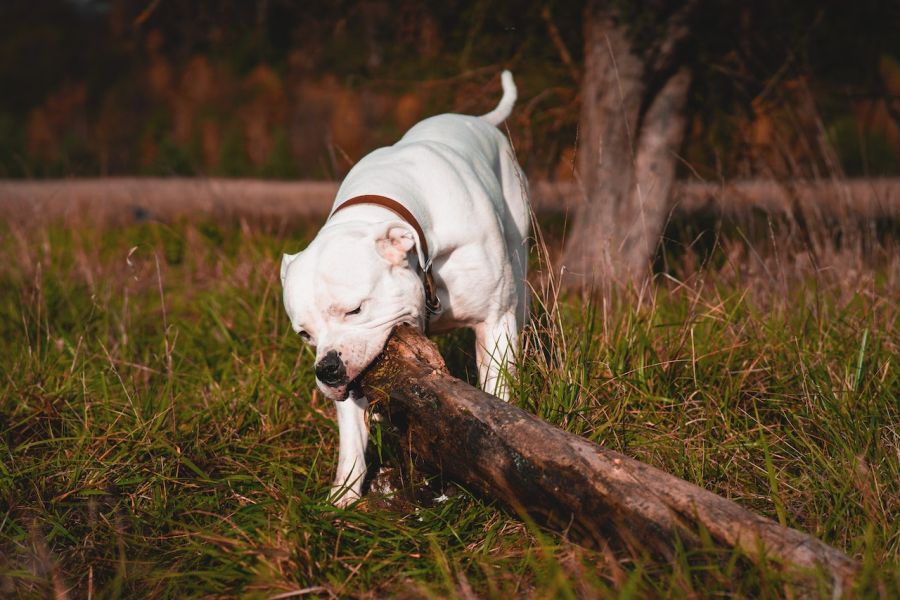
633,122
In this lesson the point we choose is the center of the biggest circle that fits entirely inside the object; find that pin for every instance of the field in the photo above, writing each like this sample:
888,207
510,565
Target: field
160,437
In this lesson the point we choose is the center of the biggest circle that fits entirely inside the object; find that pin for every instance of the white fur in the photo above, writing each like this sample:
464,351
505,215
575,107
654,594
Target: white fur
458,176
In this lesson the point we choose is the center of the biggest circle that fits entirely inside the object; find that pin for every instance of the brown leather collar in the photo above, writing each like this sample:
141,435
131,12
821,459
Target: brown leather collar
432,302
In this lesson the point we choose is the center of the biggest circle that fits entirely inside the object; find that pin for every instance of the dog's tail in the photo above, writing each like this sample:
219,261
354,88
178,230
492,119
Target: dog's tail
499,114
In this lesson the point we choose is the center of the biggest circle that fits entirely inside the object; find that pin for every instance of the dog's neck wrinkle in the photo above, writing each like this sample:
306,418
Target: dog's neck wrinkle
365,213
373,212
368,213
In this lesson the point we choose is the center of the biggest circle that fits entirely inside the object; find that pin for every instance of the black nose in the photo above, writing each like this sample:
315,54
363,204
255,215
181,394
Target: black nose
330,370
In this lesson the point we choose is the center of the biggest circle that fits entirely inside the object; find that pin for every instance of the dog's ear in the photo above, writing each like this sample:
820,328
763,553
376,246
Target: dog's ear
286,260
396,240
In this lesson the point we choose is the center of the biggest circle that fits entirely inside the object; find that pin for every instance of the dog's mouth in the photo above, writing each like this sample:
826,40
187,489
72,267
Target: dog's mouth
354,387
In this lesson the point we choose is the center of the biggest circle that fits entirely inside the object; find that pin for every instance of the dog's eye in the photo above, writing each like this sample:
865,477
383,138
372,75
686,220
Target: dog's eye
355,311
304,335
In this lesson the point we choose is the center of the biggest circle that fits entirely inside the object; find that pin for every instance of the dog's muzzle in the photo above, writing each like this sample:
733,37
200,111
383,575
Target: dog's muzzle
331,371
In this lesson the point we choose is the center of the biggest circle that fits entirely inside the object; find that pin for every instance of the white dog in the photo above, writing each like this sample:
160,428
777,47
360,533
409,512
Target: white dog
430,231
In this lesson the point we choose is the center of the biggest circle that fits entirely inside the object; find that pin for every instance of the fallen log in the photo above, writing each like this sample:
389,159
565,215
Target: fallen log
565,482
113,201
116,201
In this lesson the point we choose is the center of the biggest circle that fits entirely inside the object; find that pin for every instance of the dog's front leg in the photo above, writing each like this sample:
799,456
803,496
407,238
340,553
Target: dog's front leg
354,435
496,344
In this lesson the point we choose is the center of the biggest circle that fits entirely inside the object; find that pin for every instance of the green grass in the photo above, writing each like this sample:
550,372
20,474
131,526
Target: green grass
159,434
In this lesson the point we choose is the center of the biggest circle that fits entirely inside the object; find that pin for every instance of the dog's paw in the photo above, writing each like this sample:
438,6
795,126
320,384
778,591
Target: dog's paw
342,496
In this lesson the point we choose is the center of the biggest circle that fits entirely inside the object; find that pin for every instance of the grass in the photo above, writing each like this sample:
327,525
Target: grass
159,433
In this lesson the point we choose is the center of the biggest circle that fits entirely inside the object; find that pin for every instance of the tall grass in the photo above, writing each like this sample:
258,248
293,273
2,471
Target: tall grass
161,435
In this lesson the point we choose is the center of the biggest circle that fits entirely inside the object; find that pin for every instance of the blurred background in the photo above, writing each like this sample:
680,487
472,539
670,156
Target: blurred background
160,427
283,89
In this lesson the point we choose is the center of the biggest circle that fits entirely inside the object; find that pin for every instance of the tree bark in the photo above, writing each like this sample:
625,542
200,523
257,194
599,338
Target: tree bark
597,496
632,125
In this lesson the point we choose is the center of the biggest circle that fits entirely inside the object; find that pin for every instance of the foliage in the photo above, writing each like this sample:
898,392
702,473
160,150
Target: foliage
160,433
772,80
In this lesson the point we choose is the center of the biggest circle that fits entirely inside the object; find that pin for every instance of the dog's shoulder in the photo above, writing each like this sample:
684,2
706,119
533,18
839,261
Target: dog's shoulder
453,129
470,138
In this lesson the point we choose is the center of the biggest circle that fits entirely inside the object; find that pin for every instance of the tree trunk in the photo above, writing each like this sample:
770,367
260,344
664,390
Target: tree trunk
600,497
632,125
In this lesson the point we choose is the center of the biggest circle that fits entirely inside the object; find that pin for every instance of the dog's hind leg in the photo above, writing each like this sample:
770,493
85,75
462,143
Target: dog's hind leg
495,352
354,435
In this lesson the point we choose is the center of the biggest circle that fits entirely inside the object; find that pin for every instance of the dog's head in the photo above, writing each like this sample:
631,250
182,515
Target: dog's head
346,292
